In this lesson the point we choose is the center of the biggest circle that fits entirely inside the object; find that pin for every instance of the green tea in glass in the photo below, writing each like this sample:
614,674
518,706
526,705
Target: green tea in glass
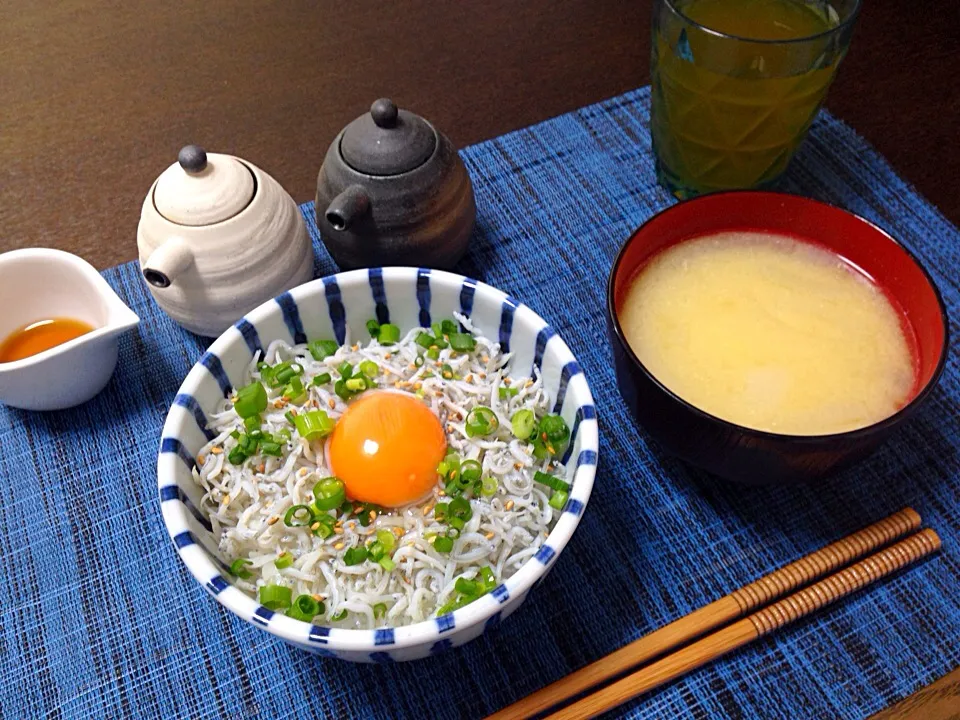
737,83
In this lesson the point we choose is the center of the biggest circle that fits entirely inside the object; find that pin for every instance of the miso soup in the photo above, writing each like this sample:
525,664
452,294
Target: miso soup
770,333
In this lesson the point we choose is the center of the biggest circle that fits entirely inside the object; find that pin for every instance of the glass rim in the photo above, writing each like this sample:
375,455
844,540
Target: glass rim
787,41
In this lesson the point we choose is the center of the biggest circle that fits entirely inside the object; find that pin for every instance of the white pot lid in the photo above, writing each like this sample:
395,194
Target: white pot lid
203,189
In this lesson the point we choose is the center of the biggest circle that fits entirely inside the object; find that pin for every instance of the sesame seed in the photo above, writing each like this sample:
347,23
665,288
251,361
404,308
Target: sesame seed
449,428
438,393
201,459
417,385
483,375
338,530
427,508
517,466
469,378
398,531
226,500
485,359
529,383
316,597
332,403
356,347
441,493
293,411
388,356
338,546
508,505
489,536
216,450
279,403
273,521
373,515
412,366
261,467
506,381
315,526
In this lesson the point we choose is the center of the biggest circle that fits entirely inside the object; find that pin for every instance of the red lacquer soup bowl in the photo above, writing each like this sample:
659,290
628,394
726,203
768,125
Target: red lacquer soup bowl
755,456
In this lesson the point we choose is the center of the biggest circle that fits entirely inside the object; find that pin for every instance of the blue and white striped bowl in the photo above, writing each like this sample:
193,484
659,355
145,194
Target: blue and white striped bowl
407,297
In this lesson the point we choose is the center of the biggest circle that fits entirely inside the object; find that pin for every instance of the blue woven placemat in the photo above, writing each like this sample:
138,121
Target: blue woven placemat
98,618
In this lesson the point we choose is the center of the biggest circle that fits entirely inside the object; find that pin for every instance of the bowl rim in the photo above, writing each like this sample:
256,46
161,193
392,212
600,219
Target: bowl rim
205,569
847,435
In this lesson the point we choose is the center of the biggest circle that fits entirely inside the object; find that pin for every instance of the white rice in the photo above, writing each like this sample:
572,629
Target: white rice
505,530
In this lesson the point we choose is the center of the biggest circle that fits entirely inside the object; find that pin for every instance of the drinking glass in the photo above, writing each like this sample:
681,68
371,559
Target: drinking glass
737,83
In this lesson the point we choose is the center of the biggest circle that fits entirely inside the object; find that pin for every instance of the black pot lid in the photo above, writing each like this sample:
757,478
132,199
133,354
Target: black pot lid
387,141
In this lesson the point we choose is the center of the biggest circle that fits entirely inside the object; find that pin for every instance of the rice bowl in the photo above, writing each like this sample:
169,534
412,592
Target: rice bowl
339,307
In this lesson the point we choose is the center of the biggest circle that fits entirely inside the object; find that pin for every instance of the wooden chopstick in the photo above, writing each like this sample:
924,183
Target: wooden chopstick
730,607
763,622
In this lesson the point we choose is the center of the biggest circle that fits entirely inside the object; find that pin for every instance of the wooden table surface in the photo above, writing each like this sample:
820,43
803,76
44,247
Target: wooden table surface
97,97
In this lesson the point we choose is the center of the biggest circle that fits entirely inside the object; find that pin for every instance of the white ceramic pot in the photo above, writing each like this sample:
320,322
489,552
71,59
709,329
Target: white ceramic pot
41,284
217,237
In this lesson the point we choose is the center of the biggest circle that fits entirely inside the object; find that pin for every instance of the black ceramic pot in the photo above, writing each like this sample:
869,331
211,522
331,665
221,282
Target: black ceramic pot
393,191
753,456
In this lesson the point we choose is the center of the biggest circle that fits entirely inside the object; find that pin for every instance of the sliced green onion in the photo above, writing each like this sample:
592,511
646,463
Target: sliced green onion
488,579
356,384
252,423
389,334
236,456
235,434
284,435
488,486
433,353
481,421
506,393
294,390
305,608
329,493
271,448
457,523
284,560
340,388
369,368
379,610
462,342
460,508
239,568
387,563
373,327
467,587
437,329
418,361
424,340
321,379
298,516
339,616
555,429
284,373
345,370
375,550
522,424
559,499
446,372
251,400
323,531
387,539
321,349
440,511
313,424
363,517
551,481
355,556
275,597
443,544
289,415
470,471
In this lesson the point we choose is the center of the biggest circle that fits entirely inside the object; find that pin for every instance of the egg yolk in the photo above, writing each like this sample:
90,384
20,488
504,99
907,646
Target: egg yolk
386,448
